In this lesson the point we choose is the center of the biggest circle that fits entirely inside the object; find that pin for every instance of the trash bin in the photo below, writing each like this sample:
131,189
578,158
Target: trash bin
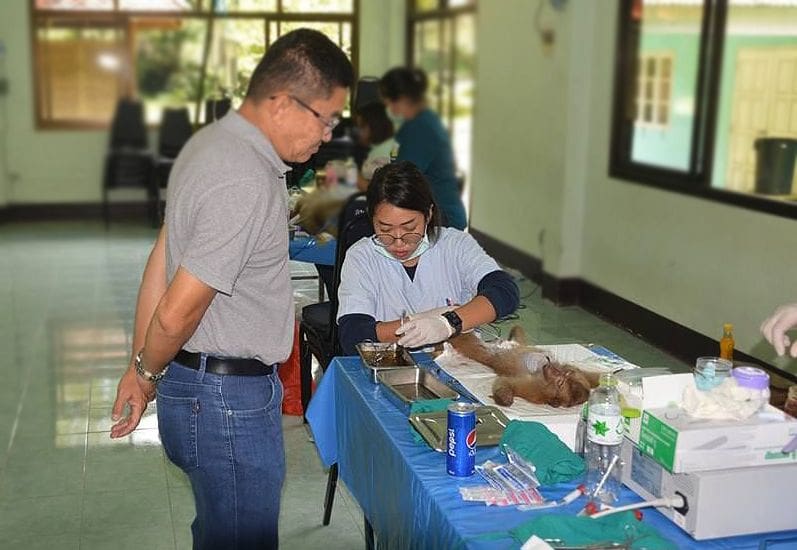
774,165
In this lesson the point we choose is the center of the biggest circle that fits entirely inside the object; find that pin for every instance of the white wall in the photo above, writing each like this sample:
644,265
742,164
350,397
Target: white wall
381,35
541,154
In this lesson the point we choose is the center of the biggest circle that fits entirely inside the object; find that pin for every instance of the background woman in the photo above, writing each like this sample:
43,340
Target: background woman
423,140
375,130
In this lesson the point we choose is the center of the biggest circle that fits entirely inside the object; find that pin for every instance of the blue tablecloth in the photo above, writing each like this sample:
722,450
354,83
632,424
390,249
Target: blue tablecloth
403,487
310,250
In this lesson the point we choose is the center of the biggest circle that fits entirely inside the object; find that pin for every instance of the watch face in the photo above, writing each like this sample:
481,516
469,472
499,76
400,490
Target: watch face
454,320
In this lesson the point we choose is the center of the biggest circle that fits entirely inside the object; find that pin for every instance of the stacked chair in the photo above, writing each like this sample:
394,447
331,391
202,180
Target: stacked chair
318,334
128,162
175,130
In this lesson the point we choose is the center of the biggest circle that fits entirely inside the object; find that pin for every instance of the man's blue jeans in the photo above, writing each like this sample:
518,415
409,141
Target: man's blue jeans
225,432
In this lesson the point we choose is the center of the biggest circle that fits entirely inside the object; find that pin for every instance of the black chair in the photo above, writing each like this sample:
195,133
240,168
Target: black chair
128,163
175,130
216,108
367,91
318,330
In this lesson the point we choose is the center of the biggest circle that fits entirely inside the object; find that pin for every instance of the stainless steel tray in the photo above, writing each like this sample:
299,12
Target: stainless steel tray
379,356
408,384
490,424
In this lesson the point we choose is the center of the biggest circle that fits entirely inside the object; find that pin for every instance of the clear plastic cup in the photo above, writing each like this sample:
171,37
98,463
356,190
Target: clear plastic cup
711,371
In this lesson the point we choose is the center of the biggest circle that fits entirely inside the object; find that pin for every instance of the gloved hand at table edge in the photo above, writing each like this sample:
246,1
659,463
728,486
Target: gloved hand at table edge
775,326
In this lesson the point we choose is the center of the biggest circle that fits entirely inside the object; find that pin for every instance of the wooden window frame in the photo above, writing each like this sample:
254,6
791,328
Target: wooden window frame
204,11
696,179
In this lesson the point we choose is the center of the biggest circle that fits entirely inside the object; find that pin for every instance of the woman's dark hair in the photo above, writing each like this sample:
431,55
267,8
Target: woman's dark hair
401,184
403,82
374,115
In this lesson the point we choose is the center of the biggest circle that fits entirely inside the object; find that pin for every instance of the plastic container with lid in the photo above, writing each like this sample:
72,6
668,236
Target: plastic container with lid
755,382
711,371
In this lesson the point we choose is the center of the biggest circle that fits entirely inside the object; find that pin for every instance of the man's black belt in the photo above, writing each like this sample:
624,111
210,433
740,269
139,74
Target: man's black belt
224,365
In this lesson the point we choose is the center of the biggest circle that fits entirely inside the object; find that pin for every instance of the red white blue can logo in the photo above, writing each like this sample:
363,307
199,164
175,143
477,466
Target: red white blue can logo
461,444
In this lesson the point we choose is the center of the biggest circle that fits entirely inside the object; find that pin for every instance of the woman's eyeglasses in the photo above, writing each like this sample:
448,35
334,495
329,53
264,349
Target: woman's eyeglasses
385,239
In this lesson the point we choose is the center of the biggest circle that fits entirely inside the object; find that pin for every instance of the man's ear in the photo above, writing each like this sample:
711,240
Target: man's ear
278,105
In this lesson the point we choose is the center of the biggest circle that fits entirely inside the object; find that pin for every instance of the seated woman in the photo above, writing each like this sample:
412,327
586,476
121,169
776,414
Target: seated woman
439,280
375,130
423,140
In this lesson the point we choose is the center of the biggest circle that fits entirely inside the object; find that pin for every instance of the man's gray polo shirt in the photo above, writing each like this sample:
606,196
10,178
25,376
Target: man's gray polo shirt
226,223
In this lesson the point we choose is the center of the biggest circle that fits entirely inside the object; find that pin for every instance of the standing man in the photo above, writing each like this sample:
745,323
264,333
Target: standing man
214,316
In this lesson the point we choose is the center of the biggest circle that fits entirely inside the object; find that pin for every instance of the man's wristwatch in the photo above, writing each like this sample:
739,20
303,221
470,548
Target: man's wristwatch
454,320
145,374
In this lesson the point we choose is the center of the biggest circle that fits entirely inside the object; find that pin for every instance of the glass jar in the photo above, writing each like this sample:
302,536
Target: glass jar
790,407
756,383
711,371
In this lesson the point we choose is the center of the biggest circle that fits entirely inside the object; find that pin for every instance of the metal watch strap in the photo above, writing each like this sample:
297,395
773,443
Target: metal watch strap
145,374
454,320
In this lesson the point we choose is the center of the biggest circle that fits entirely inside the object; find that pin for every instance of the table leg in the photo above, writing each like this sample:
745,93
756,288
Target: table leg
329,498
369,534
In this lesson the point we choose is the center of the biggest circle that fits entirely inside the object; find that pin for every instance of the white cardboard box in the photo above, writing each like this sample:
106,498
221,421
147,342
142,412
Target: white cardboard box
681,443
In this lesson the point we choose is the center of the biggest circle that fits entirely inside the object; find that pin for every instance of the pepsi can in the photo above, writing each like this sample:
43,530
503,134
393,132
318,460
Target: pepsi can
461,444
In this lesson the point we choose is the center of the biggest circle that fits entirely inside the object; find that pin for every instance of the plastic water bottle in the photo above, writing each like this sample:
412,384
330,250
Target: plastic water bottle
604,437
581,431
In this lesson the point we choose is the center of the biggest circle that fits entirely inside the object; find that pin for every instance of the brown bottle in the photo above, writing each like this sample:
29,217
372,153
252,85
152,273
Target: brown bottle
726,343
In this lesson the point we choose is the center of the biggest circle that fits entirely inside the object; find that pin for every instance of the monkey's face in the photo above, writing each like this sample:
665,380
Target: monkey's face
570,387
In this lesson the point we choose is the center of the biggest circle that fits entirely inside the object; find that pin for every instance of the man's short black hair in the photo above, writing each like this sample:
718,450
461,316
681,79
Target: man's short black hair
304,62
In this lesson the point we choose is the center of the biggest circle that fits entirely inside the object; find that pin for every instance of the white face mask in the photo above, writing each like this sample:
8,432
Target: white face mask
397,120
422,247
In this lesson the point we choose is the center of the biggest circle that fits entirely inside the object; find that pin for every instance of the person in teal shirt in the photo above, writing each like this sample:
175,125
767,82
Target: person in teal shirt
423,140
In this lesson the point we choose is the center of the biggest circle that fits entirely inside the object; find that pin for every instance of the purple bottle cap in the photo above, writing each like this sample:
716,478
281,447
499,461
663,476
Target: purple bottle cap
751,377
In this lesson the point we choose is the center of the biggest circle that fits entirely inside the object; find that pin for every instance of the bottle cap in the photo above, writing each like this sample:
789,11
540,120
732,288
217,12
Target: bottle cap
727,327
751,377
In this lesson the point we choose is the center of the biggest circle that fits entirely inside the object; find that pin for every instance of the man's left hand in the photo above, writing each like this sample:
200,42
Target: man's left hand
135,392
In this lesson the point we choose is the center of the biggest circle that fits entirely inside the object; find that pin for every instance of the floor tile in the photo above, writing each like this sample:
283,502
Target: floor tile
42,516
68,541
114,510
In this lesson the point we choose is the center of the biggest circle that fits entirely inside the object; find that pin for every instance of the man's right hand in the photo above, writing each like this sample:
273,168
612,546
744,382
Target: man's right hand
135,392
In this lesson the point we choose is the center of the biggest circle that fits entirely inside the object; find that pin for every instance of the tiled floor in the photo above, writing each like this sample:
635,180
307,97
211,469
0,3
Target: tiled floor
66,309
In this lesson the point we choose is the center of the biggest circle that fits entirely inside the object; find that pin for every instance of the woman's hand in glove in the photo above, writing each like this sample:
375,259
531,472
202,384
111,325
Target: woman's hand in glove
424,331
774,329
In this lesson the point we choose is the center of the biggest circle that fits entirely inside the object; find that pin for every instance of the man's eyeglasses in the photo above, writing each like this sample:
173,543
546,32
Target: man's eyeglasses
385,240
330,123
